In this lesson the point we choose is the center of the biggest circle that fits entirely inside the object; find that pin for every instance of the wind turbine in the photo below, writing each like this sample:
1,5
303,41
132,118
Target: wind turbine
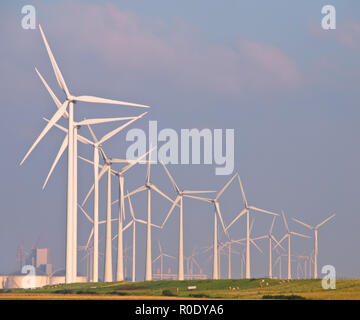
246,211
97,147
179,198
315,229
107,168
248,238
161,257
288,235
217,213
229,253
91,237
149,186
271,238
133,223
190,262
70,274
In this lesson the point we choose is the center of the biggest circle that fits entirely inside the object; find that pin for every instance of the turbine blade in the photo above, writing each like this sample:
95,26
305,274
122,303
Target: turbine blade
217,206
86,215
262,210
198,198
197,191
57,158
140,220
115,131
272,224
225,187
128,225
131,207
155,188
102,172
277,242
58,75
53,96
261,237
102,120
252,224
171,179
93,99
171,209
142,188
254,243
148,169
136,161
282,239
90,236
303,223
285,222
49,125
242,191
80,138
299,234
236,218
326,220
92,133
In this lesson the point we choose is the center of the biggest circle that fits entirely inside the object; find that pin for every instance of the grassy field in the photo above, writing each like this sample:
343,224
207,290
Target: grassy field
205,289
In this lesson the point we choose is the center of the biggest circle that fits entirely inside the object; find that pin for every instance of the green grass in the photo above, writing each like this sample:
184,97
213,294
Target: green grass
207,289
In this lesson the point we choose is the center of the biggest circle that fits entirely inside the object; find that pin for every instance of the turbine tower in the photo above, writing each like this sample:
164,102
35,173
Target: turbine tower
246,211
149,186
316,249
179,199
217,213
97,147
71,250
288,235
271,238
161,256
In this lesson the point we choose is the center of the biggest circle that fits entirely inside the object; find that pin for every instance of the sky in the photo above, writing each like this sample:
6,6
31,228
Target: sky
266,69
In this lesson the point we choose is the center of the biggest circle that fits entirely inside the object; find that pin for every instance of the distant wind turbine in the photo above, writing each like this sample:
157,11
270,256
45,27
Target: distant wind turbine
288,235
246,211
315,229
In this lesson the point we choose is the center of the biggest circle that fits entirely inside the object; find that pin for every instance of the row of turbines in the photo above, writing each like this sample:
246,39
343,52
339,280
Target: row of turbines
65,110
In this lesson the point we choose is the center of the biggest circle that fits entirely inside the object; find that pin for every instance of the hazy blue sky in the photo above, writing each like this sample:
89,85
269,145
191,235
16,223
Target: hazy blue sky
265,68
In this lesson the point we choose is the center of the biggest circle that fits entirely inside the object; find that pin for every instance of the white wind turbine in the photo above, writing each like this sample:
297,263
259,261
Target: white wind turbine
108,252
70,268
161,256
95,187
149,186
248,238
97,147
288,235
246,211
315,229
90,250
271,238
229,253
217,214
133,223
179,198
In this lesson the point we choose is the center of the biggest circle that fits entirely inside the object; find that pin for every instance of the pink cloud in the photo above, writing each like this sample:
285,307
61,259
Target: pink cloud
346,34
124,43
349,34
